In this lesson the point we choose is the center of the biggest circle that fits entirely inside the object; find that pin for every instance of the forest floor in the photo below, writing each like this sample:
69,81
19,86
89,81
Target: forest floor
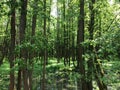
59,77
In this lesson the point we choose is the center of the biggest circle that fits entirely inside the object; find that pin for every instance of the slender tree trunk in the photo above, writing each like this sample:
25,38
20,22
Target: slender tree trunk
58,35
99,72
49,19
64,28
80,48
69,21
34,18
19,79
73,40
12,46
45,49
22,38
32,54
90,62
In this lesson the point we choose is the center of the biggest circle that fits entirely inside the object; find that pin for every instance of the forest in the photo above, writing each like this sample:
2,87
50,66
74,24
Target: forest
59,44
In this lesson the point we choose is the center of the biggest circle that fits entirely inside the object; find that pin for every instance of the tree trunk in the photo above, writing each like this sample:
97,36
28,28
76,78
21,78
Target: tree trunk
19,79
22,38
45,49
32,54
99,72
12,46
80,48
64,28
90,62
58,35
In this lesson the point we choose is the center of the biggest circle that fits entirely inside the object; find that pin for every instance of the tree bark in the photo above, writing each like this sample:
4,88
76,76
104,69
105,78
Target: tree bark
32,54
58,35
90,62
99,72
22,38
80,48
64,28
45,49
19,79
12,45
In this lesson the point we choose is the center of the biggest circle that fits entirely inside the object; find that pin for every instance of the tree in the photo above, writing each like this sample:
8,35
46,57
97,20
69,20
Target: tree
45,49
91,32
32,54
22,28
12,45
80,48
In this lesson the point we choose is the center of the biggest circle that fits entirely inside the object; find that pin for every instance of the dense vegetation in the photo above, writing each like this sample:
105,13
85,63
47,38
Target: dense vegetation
60,44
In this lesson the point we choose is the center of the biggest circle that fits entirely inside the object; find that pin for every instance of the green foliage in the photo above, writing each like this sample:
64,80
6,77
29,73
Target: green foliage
4,76
106,38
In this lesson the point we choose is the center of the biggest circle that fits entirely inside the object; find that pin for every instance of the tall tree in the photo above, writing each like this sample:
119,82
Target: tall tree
80,48
22,51
58,33
12,45
45,48
64,32
98,70
34,17
32,54
90,29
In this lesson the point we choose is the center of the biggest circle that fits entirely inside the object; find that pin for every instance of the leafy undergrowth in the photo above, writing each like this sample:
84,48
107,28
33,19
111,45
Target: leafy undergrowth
4,76
59,77
112,75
